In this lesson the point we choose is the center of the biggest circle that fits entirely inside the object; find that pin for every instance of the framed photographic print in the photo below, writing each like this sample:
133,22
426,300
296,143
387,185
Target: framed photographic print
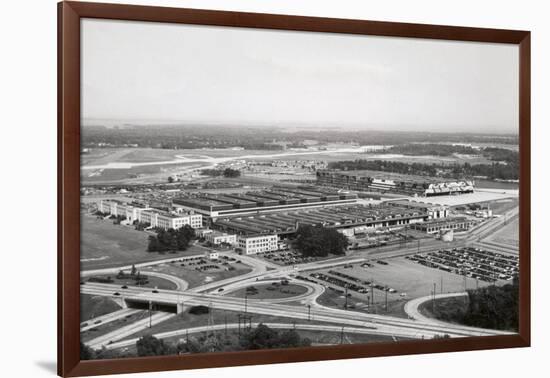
240,188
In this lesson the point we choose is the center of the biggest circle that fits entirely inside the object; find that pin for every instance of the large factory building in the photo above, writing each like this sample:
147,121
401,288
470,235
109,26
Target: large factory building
274,199
393,183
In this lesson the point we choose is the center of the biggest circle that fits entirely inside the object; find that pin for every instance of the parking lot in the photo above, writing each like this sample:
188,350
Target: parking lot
403,275
199,270
286,258
483,265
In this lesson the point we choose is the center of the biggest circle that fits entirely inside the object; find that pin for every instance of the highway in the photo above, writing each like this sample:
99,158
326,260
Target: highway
390,325
325,318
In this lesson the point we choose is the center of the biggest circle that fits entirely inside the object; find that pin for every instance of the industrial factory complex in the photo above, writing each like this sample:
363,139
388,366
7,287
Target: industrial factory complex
257,221
386,182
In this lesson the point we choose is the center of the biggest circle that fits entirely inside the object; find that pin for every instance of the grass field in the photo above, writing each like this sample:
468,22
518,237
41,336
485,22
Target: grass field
358,302
103,329
444,308
153,282
269,291
196,278
508,234
92,306
105,245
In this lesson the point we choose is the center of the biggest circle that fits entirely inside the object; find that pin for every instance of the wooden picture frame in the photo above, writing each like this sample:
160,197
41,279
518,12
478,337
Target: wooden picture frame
69,96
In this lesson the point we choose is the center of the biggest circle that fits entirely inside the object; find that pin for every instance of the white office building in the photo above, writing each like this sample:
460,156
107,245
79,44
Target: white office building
154,217
257,244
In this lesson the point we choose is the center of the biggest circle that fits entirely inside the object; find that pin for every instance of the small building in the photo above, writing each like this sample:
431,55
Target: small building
212,255
252,244
201,232
444,224
217,238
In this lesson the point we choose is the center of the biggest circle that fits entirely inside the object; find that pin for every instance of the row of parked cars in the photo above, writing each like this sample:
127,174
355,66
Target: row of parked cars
343,280
286,257
472,262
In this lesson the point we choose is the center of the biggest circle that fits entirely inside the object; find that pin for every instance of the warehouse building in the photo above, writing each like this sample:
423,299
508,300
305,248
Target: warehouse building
254,202
447,224
360,218
434,211
385,182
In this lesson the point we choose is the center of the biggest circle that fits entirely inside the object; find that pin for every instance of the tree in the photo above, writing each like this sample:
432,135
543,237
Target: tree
151,346
171,240
320,241
86,353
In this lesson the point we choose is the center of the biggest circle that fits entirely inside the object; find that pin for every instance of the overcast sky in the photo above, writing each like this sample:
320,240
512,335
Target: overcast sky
154,71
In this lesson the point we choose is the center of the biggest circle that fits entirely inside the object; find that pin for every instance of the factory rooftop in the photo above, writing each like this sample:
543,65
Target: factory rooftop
275,198
341,216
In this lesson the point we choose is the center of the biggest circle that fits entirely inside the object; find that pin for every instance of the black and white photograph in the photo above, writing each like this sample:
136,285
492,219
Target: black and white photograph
245,189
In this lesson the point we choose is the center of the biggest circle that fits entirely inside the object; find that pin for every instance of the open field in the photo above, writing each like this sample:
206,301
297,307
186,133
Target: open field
146,165
508,234
216,316
105,245
92,306
153,282
196,278
343,337
270,291
359,302
103,329
137,174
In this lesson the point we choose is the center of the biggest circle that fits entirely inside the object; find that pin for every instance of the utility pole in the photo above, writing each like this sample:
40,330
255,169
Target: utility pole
342,335
239,320
433,300
418,246
225,320
386,300
150,314
308,312
346,295
245,302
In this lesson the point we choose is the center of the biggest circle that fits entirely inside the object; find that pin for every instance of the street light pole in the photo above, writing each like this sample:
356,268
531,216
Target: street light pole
150,314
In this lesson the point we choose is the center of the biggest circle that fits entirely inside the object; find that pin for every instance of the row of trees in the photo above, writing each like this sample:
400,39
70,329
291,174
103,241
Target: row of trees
436,149
262,137
171,240
492,307
227,172
496,170
261,337
318,241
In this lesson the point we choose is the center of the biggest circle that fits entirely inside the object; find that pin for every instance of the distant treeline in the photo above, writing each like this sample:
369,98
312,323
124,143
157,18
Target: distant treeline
171,240
436,149
262,137
501,171
420,149
227,172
